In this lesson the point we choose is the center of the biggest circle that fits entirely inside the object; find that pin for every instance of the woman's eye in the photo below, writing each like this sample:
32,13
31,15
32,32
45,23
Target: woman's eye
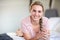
39,11
34,10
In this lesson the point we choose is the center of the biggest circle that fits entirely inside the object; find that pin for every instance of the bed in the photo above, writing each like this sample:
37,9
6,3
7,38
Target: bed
54,23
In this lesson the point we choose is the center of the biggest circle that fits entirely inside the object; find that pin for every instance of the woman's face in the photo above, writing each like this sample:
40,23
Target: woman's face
36,12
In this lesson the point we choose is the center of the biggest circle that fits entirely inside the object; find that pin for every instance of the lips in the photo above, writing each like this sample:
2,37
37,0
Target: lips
36,17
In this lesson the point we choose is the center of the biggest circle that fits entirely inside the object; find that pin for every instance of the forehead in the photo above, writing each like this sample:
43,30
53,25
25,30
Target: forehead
37,7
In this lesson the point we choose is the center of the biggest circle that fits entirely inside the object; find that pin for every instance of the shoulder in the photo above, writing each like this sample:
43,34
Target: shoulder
25,20
45,22
45,19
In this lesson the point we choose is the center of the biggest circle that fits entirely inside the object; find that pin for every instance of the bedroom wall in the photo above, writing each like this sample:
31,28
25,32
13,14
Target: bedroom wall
44,2
57,6
11,14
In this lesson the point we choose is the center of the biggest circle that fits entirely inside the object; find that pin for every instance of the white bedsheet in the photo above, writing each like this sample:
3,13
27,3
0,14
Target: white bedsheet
55,27
55,36
13,35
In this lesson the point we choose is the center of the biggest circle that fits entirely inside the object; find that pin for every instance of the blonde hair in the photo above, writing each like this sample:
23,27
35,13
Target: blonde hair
36,3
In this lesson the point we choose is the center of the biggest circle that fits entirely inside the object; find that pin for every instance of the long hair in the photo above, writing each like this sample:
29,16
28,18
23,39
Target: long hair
37,3
40,4
40,23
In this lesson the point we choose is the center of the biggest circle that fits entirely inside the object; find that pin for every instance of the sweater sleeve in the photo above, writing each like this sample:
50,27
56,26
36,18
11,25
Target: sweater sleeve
46,29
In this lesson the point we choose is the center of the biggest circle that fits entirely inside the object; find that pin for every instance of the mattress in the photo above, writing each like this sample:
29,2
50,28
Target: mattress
53,36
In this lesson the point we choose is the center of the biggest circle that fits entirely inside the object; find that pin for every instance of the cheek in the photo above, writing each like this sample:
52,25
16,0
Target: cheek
41,14
32,13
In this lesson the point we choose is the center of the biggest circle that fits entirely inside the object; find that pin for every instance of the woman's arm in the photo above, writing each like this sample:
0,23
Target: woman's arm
19,33
25,30
46,29
28,37
46,34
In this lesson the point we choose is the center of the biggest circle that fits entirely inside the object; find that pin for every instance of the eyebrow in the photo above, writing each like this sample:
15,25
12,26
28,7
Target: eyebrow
38,10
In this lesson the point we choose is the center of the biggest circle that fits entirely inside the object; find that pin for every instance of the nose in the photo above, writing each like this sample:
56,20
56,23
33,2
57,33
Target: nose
36,14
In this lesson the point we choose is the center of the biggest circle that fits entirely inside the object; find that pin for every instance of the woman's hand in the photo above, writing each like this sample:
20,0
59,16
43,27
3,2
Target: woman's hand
44,34
19,32
38,36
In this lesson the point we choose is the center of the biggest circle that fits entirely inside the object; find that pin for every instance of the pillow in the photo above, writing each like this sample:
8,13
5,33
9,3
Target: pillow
57,29
53,22
55,34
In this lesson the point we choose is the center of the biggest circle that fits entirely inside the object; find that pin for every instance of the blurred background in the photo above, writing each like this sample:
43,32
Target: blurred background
13,11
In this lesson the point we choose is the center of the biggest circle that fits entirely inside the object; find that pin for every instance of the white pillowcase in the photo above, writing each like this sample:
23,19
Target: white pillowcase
57,29
53,21
54,24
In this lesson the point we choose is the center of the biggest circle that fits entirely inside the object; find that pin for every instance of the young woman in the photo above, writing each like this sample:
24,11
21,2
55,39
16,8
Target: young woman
36,26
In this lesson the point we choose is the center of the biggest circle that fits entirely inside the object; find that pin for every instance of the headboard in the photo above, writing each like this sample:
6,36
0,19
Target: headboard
51,13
